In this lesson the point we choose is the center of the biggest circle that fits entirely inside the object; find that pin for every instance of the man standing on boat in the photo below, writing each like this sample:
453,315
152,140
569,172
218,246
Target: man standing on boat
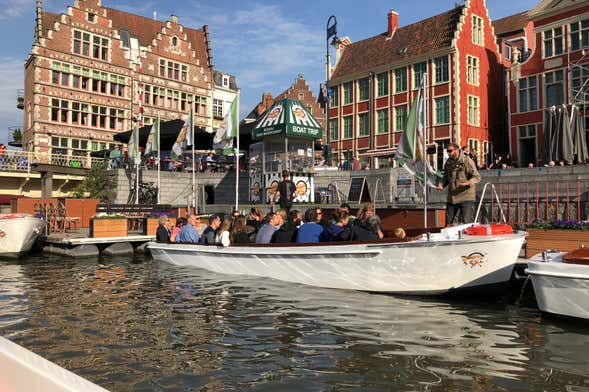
461,177
286,191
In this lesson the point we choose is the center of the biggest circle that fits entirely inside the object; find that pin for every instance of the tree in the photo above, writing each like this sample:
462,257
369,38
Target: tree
17,135
97,184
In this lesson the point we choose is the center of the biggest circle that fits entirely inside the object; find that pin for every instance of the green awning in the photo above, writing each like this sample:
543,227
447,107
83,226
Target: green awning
288,117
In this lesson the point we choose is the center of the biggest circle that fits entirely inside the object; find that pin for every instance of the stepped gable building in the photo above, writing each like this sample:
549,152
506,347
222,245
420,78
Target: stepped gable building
96,71
553,71
376,79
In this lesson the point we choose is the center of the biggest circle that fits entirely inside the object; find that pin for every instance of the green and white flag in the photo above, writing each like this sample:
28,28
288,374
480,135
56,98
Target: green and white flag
133,143
153,137
223,139
410,152
184,138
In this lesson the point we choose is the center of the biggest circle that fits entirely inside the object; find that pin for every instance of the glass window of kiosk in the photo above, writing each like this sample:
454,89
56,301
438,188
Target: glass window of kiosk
300,154
275,156
256,158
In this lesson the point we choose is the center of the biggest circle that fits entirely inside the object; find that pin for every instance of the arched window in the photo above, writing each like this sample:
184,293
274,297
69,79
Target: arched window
174,41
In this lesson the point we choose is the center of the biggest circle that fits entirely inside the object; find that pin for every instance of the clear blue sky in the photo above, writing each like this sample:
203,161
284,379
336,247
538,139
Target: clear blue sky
265,44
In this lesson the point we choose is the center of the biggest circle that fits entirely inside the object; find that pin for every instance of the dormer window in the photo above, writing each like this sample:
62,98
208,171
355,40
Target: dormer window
225,81
91,17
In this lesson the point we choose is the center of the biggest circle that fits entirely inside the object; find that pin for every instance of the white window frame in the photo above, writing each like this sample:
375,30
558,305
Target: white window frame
527,90
348,93
349,118
379,121
473,110
363,120
478,30
397,117
334,129
436,100
472,70
553,39
436,68
583,43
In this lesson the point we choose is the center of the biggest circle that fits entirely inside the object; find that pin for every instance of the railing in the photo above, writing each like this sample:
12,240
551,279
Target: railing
525,202
21,161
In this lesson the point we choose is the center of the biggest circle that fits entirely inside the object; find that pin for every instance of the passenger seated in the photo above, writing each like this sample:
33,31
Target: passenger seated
288,231
310,231
368,231
188,233
366,211
399,233
222,237
180,222
239,234
265,233
163,231
339,231
208,236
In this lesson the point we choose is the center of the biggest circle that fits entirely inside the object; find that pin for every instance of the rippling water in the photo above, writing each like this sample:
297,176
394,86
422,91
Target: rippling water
134,325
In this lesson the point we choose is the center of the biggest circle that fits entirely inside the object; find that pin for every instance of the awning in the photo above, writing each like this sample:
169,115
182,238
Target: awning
168,134
288,117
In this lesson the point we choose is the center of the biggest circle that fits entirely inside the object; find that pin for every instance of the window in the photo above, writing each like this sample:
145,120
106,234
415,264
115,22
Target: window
526,144
81,43
348,127
99,45
225,81
91,17
363,89
528,94
174,41
419,70
477,30
218,108
442,71
363,124
442,108
554,88
348,93
333,129
401,80
473,110
400,118
507,52
162,67
334,99
382,120
382,81
60,110
184,73
579,34
553,42
173,70
579,84
472,70
200,104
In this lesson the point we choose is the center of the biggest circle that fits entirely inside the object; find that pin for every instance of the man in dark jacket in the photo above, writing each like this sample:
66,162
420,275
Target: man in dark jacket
162,233
367,231
208,236
461,177
286,191
288,231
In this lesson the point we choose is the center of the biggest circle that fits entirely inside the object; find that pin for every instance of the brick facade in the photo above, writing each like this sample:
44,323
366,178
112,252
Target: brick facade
95,71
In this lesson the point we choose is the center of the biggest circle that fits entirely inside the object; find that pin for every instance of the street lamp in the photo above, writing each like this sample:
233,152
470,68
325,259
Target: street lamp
331,30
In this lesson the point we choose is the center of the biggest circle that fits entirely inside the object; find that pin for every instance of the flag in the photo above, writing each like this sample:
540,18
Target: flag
153,137
410,152
184,138
223,139
133,143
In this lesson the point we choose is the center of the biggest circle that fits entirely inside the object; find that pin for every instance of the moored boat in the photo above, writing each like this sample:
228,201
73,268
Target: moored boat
432,264
18,233
561,282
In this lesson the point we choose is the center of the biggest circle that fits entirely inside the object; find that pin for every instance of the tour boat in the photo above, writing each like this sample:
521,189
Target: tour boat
561,282
18,233
431,264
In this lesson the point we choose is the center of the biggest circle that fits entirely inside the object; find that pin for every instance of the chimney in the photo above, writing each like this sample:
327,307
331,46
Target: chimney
393,18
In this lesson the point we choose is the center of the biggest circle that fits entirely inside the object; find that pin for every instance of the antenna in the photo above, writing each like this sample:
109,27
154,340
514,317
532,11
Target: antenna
155,15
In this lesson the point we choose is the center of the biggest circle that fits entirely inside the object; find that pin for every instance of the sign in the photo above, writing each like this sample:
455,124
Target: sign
405,189
359,192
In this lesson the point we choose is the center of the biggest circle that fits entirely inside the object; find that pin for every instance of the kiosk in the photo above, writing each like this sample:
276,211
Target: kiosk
287,132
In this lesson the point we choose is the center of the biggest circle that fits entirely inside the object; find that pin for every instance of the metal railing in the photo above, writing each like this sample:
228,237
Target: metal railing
21,161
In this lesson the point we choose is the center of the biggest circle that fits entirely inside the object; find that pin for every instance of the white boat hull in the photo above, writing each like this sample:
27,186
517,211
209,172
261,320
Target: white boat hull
419,267
561,288
18,234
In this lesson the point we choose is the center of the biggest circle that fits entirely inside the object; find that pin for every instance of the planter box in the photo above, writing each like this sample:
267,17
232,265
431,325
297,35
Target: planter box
564,240
150,225
101,228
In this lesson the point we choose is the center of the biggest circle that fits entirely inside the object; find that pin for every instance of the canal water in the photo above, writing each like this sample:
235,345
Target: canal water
136,325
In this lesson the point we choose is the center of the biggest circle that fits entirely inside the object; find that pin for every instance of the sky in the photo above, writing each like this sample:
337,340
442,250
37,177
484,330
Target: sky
264,43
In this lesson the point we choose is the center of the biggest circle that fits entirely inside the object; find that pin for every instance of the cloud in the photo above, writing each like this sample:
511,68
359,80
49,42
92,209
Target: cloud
13,8
11,80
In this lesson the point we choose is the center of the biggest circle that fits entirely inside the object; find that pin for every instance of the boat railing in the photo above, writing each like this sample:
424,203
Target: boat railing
494,192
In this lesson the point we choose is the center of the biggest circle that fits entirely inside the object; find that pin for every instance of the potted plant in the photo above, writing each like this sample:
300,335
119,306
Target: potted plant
108,225
565,236
151,221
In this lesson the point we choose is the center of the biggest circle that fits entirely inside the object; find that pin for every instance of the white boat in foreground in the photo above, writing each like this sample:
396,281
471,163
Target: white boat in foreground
561,285
442,263
18,233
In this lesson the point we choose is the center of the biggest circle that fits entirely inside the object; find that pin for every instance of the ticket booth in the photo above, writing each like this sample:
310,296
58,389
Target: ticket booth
287,134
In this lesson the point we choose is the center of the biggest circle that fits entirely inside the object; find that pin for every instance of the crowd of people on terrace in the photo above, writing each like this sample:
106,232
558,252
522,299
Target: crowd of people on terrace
281,226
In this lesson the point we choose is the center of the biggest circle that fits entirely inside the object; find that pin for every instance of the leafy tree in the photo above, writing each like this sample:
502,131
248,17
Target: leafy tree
97,184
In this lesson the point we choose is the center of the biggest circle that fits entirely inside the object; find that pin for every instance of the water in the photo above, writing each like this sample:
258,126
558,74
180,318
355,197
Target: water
136,325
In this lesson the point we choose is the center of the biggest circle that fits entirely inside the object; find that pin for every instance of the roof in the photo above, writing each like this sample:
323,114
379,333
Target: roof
409,41
545,7
511,23
218,79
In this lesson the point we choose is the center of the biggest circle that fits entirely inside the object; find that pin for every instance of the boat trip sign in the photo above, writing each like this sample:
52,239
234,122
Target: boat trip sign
288,117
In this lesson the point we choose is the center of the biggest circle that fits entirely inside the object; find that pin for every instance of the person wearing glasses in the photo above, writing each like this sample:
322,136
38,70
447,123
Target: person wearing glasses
461,177
162,233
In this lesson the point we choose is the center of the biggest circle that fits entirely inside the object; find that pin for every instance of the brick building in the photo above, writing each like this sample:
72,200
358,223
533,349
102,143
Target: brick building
376,79
554,70
96,71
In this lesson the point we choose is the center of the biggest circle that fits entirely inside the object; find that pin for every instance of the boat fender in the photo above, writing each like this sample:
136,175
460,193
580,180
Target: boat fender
492,229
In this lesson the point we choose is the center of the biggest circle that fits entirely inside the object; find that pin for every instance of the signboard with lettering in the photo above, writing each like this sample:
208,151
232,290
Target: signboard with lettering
288,117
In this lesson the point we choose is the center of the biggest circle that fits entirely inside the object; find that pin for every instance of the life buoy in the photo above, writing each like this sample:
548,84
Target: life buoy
493,229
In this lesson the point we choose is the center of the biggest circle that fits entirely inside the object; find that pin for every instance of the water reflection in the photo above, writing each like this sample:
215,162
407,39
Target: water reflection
148,326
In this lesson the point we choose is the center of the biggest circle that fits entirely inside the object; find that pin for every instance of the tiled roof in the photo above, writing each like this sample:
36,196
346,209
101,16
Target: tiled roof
408,41
510,23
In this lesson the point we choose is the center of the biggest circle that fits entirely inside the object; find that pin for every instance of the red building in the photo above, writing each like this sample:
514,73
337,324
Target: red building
553,71
96,71
375,80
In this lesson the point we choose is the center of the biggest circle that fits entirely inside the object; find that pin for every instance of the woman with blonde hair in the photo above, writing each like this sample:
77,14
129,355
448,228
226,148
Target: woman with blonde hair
365,212
223,234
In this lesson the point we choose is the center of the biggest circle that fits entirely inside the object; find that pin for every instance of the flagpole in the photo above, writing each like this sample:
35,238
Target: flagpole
159,162
137,161
425,115
193,158
237,157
